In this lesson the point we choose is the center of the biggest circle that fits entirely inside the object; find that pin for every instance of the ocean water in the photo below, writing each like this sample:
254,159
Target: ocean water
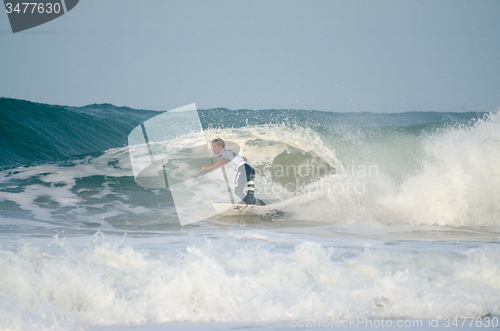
387,218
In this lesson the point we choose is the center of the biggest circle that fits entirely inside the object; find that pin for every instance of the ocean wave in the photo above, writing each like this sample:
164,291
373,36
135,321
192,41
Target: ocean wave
414,168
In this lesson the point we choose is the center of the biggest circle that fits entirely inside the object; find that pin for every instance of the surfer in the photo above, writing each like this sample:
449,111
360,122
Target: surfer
245,173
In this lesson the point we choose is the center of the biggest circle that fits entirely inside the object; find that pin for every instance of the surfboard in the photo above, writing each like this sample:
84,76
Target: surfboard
227,209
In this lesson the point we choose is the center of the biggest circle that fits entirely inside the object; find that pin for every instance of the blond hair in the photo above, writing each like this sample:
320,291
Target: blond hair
219,142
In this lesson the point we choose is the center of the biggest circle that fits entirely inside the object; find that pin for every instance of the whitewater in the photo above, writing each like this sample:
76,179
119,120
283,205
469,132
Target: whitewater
392,217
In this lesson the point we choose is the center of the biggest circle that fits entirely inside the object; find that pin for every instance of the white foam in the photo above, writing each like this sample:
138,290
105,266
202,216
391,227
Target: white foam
241,279
459,184
60,179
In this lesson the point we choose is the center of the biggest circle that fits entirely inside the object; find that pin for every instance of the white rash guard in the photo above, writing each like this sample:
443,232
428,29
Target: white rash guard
233,159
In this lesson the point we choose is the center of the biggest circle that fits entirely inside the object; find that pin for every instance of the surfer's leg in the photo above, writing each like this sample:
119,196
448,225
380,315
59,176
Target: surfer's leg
240,182
250,177
251,187
245,177
250,199
259,202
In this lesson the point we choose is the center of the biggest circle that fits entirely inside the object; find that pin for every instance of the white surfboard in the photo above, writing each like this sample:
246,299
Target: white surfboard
228,209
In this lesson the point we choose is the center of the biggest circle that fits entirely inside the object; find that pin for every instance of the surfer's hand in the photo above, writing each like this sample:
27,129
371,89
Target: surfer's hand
205,168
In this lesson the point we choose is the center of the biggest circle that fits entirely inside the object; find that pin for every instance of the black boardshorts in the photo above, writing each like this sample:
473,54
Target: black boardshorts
245,177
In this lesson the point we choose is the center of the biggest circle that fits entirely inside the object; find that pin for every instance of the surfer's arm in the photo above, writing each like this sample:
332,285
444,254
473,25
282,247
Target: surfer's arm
244,158
215,165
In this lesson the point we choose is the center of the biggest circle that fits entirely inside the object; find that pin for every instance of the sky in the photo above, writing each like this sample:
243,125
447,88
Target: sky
345,56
